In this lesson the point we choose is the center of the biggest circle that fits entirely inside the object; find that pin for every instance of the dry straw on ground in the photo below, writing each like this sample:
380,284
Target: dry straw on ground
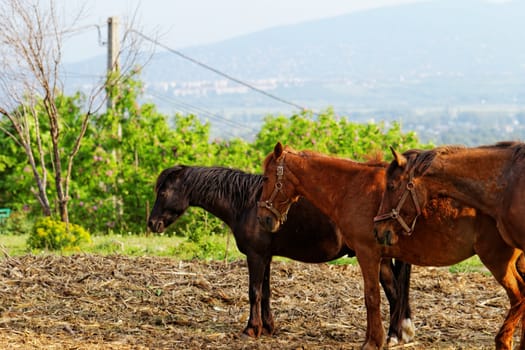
118,302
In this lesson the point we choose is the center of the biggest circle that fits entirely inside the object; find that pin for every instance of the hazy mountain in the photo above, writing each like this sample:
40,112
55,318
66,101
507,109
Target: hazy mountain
383,63
460,36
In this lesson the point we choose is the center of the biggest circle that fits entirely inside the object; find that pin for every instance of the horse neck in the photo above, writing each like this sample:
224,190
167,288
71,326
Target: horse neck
221,209
472,178
328,182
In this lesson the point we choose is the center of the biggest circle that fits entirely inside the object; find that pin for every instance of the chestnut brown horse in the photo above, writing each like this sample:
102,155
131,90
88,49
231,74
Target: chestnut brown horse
489,178
307,236
350,194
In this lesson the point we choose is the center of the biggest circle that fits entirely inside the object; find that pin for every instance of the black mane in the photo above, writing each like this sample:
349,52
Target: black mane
211,184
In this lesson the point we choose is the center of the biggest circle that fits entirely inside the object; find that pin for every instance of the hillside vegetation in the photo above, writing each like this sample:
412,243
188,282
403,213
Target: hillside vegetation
112,184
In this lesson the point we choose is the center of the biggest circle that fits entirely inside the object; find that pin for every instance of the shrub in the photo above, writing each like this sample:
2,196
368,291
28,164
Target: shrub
54,235
18,223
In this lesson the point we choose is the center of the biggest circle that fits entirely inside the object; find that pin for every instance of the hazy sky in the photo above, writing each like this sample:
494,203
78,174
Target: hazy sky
182,23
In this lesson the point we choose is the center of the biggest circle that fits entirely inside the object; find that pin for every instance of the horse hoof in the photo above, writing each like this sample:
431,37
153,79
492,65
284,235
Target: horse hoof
392,341
251,333
408,330
268,331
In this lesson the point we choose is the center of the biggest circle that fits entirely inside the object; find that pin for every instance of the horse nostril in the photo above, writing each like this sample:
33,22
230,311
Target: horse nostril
261,221
269,221
388,237
156,226
265,222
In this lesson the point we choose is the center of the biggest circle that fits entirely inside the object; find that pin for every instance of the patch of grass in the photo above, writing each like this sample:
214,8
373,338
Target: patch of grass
212,247
133,245
345,261
472,264
14,245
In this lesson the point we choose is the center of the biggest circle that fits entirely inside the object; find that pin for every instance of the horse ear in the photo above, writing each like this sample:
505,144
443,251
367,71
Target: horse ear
278,150
398,157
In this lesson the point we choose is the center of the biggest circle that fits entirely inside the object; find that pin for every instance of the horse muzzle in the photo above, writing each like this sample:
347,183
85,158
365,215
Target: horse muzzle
268,223
386,237
156,226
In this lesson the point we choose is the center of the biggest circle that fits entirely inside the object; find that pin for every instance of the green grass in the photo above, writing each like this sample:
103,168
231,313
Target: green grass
215,247
472,264
13,244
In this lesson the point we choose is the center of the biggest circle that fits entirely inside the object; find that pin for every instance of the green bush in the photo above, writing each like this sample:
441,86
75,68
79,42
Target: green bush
54,235
18,223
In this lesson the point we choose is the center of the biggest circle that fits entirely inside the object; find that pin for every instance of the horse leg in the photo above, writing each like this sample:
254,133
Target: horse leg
502,265
395,280
509,229
267,318
388,282
375,334
402,273
256,268
520,267
513,284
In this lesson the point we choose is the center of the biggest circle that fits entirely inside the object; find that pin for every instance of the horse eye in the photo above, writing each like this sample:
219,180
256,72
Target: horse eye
265,178
390,186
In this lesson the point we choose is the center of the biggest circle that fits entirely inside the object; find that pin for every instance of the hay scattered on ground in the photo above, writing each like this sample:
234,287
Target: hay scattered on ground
118,302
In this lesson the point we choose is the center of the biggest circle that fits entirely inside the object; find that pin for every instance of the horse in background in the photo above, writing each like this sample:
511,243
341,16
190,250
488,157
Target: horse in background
350,193
307,236
489,178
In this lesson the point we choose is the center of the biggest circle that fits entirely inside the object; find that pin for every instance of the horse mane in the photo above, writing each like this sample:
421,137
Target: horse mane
421,159
519,151
517,148
502,144
166,174
211,184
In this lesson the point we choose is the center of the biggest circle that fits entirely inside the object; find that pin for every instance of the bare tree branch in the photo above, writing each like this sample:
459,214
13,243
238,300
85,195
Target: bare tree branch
30,58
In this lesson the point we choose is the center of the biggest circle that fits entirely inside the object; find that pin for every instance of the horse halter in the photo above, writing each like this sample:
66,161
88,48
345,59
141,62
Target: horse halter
268,204
394,214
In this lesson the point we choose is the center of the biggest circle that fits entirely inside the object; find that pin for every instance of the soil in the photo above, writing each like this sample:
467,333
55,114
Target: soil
119,302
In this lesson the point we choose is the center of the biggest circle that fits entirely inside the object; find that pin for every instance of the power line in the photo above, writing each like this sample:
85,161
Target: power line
188,108
76,30
204,111
216,71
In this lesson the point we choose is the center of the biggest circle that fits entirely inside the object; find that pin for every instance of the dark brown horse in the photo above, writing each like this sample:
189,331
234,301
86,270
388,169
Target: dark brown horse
489,178
307,236
350,193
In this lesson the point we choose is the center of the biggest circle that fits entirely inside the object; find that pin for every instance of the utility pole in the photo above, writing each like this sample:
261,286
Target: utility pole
113,49
113,66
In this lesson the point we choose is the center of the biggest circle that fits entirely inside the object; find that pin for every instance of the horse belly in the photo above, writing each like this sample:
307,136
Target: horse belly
433,247
313,245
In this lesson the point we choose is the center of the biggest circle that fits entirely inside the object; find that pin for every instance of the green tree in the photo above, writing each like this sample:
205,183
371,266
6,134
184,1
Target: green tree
333,135
125,148
32,103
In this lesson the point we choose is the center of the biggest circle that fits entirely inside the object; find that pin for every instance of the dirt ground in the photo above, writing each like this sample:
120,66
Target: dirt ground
118,302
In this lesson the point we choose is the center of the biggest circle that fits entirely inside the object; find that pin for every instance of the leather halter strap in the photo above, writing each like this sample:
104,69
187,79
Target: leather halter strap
278,187
394,214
